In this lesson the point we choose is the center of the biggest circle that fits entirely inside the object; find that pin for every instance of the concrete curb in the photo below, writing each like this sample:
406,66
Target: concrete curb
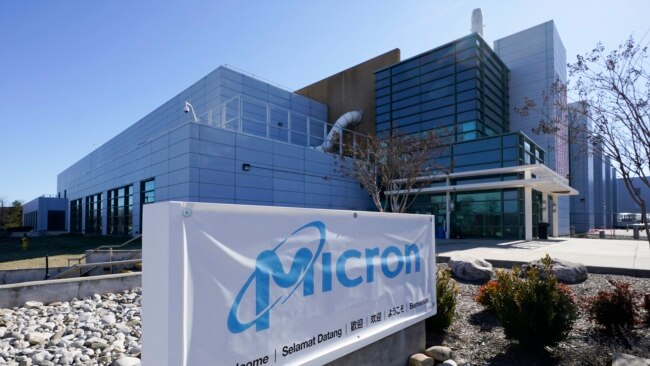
500,263
66,289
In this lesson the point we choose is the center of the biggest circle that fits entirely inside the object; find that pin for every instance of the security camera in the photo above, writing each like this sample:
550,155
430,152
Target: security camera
189,107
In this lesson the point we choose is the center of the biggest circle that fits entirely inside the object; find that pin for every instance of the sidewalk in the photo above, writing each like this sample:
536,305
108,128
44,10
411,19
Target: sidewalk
630,257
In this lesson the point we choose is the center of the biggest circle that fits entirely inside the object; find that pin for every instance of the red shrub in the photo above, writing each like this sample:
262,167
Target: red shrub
486,293
614,309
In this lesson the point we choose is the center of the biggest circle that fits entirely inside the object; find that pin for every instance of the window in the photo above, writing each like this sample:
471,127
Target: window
147,195
120,211
75,216
94,214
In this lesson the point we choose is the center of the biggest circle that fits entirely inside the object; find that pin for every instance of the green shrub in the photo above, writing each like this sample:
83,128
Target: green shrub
446,293
616,309
535,310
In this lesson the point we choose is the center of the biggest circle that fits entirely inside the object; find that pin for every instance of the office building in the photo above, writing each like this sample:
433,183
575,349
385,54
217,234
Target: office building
249,142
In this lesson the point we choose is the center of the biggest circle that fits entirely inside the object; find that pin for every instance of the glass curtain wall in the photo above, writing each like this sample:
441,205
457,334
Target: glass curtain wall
459,89
486,213
120,211
481,214
75,216
94,214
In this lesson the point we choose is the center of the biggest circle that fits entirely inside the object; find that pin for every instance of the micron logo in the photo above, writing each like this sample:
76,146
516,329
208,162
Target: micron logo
389,262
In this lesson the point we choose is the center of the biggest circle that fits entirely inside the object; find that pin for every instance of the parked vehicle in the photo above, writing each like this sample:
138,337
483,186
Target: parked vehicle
625,220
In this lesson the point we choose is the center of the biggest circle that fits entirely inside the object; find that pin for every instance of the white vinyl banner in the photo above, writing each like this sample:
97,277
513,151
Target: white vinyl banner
254,285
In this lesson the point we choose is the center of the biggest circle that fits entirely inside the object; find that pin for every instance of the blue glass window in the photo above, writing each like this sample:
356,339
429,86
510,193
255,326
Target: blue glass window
492,143
405,65
406,84
428,74
440,112
438,103
407,102
406,111
444,121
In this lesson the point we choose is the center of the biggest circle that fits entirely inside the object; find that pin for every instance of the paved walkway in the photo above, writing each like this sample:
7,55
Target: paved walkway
626,255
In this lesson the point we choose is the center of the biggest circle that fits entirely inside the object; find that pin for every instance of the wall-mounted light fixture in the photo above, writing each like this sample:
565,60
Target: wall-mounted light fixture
554,207
451,206
245,167
543,205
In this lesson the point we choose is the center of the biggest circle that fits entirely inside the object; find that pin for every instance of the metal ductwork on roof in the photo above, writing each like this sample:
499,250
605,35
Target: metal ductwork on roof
347,119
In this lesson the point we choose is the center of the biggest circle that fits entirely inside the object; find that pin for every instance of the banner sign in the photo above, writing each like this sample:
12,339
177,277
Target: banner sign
253,285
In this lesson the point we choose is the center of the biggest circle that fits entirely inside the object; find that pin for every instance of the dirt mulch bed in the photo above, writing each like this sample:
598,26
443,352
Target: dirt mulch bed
54,261
477,337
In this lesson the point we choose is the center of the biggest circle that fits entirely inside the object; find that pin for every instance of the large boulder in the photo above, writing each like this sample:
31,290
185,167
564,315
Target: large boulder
439,353
470,268
565,271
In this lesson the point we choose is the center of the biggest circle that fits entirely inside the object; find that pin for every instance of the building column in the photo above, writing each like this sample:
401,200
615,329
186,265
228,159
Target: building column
556,217
448,216
528,209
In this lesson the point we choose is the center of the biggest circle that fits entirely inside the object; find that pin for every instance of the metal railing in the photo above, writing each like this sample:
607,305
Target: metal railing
73,268
248,115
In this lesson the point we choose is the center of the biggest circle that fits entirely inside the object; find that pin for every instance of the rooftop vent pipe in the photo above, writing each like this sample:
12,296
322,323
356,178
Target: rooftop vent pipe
477,21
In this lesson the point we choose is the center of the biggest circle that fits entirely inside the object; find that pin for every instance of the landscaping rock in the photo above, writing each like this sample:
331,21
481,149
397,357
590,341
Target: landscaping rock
565,271
449,363
127,361
460,361
33,304
623,359
420,359
439,353
470,268
37,338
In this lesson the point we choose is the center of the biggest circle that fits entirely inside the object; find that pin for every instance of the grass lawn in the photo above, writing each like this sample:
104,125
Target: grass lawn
57,247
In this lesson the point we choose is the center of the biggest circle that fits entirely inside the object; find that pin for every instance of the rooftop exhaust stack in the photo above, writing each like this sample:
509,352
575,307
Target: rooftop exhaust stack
477,21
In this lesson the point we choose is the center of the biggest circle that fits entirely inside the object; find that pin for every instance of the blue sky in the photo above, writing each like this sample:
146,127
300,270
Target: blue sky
73,74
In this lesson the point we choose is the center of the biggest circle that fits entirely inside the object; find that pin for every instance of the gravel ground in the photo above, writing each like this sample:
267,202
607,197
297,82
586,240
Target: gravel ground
477,337
101,330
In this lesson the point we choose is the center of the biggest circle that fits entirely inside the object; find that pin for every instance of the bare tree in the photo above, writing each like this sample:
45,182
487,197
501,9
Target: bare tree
403,163
614,91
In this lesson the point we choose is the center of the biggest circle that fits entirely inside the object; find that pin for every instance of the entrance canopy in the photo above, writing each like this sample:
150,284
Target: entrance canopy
536,176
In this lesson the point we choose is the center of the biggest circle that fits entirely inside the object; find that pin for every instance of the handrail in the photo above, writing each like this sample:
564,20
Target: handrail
103,247
79,265
139,252
97,264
